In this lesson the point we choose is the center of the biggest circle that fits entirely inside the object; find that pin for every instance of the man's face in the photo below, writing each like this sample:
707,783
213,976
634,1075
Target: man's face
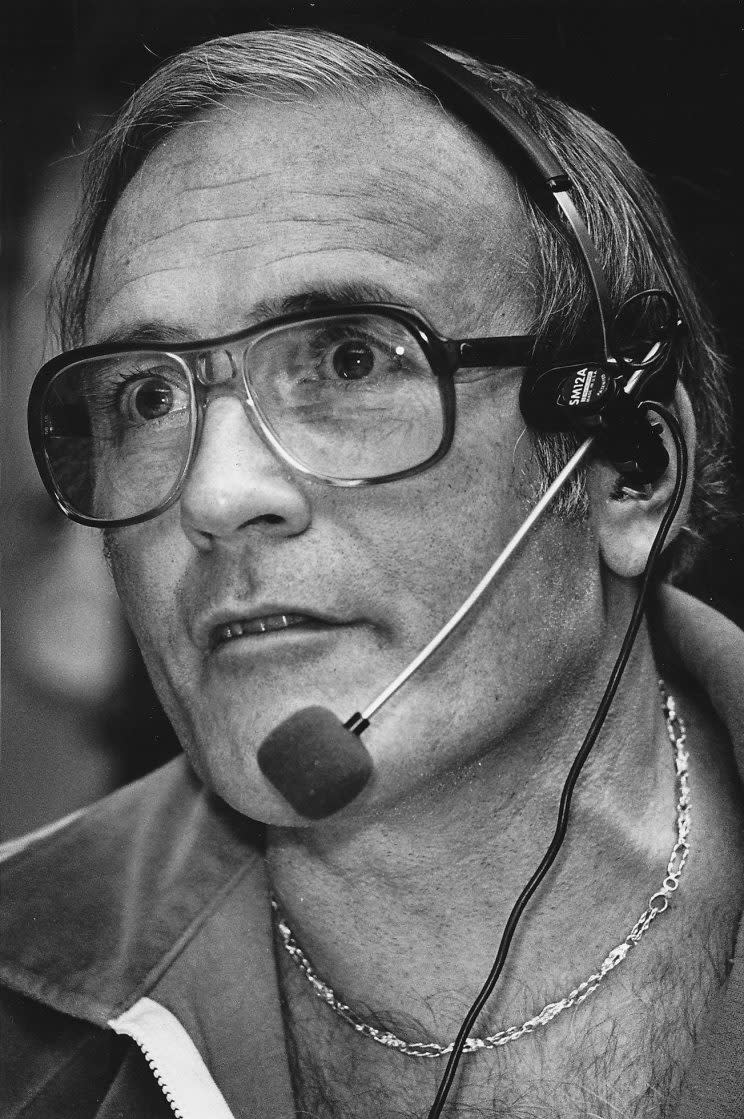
230,220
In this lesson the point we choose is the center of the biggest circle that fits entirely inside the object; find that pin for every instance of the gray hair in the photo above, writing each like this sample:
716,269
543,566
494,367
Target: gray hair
618,203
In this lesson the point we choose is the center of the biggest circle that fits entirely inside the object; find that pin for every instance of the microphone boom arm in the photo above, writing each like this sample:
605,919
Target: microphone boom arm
571,466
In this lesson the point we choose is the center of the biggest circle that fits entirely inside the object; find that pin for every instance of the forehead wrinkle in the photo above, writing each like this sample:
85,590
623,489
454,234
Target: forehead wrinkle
351,225
409,193
449,207
300,219
407,190
411,197
400,214
122,287
240,181
306,253
420,181
163,158
322,249
215,219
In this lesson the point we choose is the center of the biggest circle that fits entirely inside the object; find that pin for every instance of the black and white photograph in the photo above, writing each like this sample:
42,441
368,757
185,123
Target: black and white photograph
373,560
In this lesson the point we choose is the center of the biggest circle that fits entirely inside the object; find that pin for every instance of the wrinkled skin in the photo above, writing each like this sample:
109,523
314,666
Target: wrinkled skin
225,220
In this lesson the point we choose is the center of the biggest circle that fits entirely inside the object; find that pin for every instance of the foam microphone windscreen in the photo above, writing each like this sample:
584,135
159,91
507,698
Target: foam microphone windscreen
315,762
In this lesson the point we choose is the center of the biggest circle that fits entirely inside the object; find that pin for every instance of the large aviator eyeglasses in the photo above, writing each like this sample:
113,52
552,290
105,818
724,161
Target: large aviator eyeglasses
354,396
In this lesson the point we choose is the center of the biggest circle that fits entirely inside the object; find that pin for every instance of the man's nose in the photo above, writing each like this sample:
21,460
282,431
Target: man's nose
236,482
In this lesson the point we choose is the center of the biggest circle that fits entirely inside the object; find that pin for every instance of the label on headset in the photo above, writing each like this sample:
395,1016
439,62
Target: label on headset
584,388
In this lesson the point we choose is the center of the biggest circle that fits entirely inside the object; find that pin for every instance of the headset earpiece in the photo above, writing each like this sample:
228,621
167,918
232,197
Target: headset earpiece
592,400
604,399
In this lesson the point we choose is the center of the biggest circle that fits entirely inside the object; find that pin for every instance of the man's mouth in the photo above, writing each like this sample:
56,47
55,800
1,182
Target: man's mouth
268,623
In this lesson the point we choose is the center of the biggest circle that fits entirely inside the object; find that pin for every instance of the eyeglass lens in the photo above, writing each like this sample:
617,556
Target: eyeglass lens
344,398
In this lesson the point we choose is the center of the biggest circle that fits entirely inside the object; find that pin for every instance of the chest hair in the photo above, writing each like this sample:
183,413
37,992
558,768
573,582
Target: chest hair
620,1055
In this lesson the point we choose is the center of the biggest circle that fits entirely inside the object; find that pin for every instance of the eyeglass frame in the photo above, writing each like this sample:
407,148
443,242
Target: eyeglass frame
446,356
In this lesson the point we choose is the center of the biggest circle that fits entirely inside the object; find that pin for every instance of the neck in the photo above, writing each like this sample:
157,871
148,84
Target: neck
450,861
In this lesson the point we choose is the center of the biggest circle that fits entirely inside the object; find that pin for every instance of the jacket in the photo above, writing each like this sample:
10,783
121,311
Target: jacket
138,931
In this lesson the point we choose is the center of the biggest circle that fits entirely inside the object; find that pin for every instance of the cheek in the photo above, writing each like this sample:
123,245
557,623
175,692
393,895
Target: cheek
508,660
147,562
436,534
535,620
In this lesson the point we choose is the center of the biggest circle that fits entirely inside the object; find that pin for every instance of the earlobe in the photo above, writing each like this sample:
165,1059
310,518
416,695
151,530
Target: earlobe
626,519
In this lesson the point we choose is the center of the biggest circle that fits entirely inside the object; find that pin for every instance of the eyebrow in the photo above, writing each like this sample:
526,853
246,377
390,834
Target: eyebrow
319,297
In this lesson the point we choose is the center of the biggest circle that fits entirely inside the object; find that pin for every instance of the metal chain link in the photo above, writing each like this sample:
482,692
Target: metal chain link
658,903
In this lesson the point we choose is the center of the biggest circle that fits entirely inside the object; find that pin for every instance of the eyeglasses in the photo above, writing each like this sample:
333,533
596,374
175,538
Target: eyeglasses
354,396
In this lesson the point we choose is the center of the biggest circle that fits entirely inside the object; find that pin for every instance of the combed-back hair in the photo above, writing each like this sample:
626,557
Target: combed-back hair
615,198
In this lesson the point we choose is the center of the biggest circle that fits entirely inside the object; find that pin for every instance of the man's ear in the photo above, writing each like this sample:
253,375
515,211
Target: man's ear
626,523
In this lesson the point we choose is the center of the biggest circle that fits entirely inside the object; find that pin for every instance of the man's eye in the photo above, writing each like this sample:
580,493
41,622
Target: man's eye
353,360
343,359
148,398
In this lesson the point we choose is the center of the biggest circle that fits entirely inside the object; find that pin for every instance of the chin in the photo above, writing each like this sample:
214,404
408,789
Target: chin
235,777
363,776
258,800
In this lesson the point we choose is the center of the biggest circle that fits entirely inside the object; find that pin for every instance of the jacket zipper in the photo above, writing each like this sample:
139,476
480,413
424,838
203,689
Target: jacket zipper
174,1060
160,1079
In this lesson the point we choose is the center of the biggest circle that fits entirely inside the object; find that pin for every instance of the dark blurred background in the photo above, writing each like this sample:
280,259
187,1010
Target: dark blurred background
78,714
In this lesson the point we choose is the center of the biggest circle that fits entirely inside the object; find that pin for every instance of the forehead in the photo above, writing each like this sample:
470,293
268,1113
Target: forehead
256,200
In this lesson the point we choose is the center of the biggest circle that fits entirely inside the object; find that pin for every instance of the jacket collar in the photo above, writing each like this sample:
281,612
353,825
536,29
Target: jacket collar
97,910
691,638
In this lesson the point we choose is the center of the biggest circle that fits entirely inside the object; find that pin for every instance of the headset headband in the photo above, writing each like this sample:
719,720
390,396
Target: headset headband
488,114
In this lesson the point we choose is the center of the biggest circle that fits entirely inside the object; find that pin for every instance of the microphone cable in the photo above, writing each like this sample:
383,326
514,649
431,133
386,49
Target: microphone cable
578,763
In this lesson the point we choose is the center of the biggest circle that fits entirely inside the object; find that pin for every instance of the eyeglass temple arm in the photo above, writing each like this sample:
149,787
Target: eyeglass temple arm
474,353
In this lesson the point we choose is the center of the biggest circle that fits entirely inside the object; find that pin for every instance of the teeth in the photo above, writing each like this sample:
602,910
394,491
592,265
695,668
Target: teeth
269,624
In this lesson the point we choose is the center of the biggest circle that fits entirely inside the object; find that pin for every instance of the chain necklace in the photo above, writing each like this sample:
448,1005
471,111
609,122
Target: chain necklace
658,903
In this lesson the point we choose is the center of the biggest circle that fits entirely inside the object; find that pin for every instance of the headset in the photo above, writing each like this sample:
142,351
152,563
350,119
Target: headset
592,397
607,397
